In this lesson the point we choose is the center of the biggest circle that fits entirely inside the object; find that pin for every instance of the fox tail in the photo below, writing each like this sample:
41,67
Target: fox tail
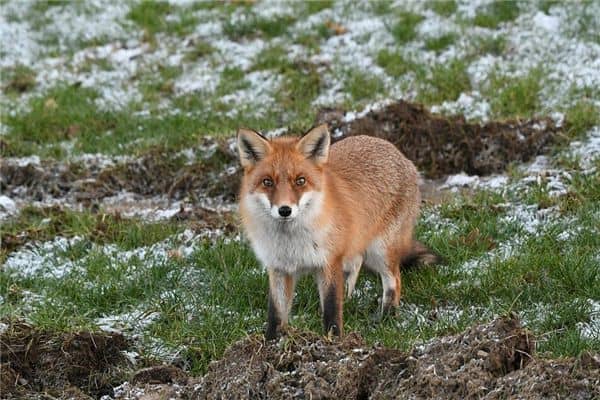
421,255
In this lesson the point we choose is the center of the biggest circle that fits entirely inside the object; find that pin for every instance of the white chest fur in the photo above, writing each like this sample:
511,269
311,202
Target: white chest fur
293,246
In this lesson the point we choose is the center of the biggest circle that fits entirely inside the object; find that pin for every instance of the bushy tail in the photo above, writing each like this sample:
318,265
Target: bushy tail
421,255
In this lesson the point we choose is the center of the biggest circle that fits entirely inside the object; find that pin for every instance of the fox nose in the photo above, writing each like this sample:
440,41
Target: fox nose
285,211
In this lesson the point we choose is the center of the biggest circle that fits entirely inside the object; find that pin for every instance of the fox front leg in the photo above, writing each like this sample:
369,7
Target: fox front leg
281,296
331,293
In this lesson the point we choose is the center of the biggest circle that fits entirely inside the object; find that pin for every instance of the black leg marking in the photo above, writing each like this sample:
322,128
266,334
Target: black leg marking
273,321
331,315
388,299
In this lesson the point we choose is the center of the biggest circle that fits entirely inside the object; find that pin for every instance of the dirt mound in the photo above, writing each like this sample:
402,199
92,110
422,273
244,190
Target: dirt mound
59,364
155,173
448,145
487,361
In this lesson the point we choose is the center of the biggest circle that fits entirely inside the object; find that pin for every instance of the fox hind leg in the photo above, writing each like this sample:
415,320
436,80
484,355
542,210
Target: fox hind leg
385,260
351,270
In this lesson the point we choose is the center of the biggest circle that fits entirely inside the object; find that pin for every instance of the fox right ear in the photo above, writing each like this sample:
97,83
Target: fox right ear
252,147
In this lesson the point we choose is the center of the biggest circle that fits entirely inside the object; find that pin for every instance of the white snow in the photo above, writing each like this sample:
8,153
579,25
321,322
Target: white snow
132,323
7,206
591,329
548,23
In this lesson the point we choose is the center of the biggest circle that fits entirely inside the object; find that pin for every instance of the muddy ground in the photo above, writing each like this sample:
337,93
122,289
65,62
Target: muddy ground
496,360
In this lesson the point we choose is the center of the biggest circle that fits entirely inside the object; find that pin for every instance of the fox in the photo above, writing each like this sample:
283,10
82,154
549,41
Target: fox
311,207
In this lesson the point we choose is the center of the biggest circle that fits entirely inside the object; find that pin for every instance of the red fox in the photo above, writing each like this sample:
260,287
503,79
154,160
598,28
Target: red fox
308,207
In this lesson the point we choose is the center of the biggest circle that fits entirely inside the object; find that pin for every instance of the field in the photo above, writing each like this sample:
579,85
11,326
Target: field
124,273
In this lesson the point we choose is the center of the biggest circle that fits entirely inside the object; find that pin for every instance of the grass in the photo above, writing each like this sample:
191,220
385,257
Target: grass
516,97
581,117
496,13
404,30
313,7
161,16
68,113
495,45
443,7
395,64
252,25
445,83
363,86
440,43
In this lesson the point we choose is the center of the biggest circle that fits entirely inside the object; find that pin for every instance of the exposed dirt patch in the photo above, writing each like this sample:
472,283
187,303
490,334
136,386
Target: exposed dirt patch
74,365
155,173
448,145
487,361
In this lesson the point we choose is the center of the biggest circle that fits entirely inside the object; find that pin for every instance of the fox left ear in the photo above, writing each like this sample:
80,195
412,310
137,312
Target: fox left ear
315,144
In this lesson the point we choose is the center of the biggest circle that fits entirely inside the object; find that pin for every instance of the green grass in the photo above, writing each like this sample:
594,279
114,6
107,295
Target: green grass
404,30
152,16
495,45
252,25
363,86
395,64
201,49
581,117
445,83
315,6
69,113
440,43
443,7
516,97
496,13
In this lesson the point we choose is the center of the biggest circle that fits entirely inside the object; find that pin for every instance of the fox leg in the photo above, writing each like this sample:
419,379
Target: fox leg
392,286
331,293
281,295
351,270
384,260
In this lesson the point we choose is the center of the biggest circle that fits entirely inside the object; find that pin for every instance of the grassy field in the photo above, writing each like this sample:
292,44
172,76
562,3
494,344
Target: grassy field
143,78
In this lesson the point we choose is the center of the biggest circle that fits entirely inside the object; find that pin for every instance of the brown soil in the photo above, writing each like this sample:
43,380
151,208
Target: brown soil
36,363
156,173
489,361
448,145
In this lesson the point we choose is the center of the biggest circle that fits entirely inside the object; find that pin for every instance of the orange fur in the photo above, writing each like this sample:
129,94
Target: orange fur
357,200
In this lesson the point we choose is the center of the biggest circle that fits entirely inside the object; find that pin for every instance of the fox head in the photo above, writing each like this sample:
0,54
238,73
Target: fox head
283,177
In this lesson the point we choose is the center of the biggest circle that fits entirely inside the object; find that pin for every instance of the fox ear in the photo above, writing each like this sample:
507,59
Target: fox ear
252,147
315,144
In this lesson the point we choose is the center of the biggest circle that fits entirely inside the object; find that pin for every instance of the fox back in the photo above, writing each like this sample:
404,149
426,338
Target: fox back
307,206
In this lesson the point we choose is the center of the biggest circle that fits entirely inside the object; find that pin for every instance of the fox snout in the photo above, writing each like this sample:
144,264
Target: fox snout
284,211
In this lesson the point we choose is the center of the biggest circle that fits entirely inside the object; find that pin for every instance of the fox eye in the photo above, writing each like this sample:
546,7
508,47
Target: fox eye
300,181
268,182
